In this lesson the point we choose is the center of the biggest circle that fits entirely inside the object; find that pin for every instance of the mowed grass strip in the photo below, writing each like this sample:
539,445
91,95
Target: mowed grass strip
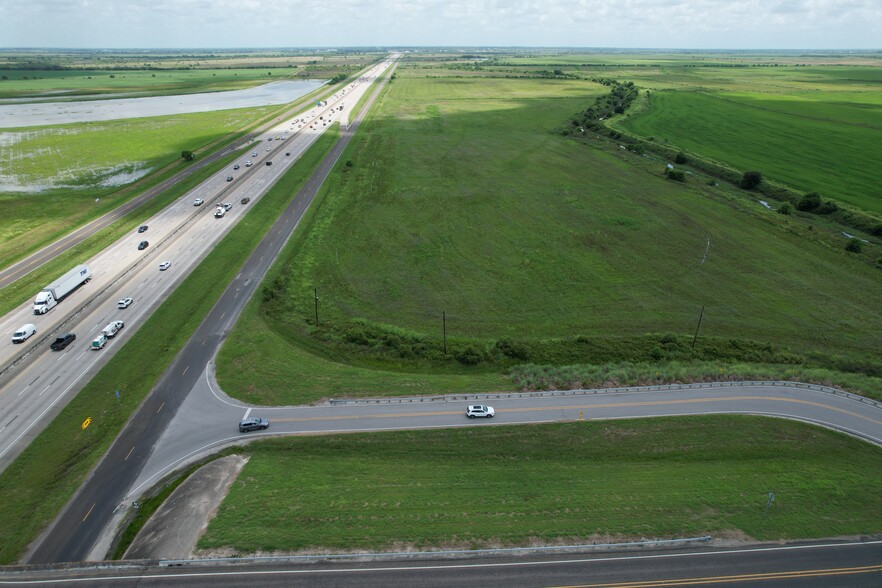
559,483
35,487
828,147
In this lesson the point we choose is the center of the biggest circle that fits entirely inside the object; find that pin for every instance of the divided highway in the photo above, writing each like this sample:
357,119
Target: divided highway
74,532
35,383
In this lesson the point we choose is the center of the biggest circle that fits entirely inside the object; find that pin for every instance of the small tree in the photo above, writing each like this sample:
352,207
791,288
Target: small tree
876,229
188,155
827,207
810,201
676,175
751,180
854,245
681,158
786,209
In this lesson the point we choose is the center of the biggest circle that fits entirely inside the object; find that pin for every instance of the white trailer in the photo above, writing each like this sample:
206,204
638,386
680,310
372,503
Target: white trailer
56,291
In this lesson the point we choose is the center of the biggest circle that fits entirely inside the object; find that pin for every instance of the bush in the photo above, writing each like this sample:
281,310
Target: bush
876,229
469,355
681,158
513,349
827,207
636,148
751,180
786,208
810,201
676,175
854,245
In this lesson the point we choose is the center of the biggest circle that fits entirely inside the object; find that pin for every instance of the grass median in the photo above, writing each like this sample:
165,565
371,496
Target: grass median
30,497
488,486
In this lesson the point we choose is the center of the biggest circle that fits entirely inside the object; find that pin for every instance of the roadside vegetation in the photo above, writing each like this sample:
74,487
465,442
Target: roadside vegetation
30,497
81,74
568,483
464,237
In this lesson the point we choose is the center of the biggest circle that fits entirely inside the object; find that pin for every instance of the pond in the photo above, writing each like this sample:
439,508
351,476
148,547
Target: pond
59,113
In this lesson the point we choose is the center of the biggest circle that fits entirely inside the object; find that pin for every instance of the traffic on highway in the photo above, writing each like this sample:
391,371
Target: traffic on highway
35,382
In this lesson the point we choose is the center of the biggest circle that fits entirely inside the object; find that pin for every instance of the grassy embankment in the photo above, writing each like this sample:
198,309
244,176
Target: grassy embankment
31,496
561,483
538,250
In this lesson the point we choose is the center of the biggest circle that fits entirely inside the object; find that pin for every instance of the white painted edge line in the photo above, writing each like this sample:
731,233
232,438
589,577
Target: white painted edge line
516,564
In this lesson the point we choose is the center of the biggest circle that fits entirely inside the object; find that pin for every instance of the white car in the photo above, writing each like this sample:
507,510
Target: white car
198,202
124,303
248,163
112,329
227,205
164,266
254,154
480,411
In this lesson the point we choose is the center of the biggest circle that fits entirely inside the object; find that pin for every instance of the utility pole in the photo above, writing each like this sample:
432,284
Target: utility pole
444,327
315,296
698,326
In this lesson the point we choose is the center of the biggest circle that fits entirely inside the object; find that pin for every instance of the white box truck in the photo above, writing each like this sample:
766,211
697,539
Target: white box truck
55,292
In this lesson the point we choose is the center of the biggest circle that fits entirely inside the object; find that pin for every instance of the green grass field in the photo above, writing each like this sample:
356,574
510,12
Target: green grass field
563,483
831,147
460,199
56,84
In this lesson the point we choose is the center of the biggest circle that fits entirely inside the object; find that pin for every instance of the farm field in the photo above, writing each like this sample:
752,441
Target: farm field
462,200
57,75
830,147
549,484
75,164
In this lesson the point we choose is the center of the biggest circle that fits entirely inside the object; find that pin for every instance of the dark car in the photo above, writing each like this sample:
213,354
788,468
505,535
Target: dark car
252,424
245,200
62,342
142,229
229,178
288,154
143,245
269,162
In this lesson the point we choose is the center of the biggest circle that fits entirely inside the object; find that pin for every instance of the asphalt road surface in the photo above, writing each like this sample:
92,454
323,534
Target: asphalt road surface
855,564
72,535
36,383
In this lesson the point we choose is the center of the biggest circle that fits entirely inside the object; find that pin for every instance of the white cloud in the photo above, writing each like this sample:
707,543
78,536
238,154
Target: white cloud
588,23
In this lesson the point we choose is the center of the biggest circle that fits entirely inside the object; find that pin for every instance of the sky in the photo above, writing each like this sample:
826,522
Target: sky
683,24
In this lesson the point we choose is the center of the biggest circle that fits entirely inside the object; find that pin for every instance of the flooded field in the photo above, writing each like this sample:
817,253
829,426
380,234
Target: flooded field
58,113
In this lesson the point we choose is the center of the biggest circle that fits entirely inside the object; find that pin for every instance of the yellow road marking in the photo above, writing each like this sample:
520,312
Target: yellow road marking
129,453
738,578
88,513
160,407
592,407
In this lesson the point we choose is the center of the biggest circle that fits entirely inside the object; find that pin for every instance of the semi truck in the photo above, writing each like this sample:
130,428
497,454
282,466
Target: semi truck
55,292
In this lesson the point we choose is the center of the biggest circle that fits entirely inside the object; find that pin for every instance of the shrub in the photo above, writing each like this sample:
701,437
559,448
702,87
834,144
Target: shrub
854,245
676,175
751,180
876,229
469,355
827,207
786,208
513,349
810,201
681,158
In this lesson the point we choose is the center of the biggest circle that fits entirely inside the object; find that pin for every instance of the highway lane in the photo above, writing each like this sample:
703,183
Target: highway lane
72,535
181,233
857,564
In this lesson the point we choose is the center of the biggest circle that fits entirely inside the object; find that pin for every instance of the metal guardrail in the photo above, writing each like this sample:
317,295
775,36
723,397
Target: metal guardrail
445,553
593,391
